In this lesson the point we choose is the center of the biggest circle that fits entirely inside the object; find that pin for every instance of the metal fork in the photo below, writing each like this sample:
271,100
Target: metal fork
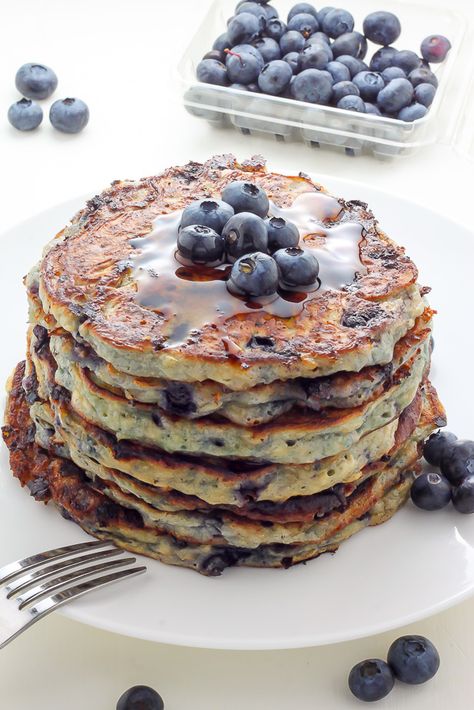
35,586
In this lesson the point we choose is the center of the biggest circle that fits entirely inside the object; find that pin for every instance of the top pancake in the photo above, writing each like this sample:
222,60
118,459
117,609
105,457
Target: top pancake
86,282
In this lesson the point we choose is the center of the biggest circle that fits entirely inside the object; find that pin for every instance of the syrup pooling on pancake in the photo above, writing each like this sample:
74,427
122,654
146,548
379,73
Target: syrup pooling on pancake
192,296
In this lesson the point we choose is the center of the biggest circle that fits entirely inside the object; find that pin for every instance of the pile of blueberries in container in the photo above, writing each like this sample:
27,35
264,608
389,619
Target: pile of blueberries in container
37,82
264,250
317,57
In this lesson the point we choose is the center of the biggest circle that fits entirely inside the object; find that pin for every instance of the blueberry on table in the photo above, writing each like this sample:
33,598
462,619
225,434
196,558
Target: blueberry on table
435,48
463,496
338,71
382,27
304,23
275,77
281,234
352,43
413,659
300,7
315,56
244,233
352,63
70,115
406,60
457,461
412,112
211,71
369,84
424,94
430,491
36,81
275,28
344,88
291,41
298,268
397,94
392,73
254,275
383,58
244,67
268,48
352,103
208,213
438,444
371,680
312,86
200,244
243,28
246,197
337,22
140,697
423,75
25,115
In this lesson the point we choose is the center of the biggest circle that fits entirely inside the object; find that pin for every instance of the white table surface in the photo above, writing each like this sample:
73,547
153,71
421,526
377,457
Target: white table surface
119,55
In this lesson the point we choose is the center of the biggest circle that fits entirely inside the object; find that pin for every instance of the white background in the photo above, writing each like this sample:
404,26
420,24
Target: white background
119,56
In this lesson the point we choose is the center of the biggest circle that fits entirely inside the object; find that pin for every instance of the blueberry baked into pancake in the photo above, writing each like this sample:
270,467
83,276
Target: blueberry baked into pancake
225,366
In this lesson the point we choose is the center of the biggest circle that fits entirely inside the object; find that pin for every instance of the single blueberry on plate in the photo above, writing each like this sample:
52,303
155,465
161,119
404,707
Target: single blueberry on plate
435,48
438,444
292,59
304,23
430,491
275,28
140,697
281,234
311,85
222,42
25,115
406,60
208,213
382,27
423,75
371,108
298,269
70,115
313,57
254,275
424,94
371,680
243,68
300,7
382,58
351,102
344,88
463,496
397,94
392,73
36,81
338,71
275,77
244,233
352,43
413,659
246,197
243,28
291,42
412,112
354,65
210,71
200,244
268,48
337,22
369,84
457,461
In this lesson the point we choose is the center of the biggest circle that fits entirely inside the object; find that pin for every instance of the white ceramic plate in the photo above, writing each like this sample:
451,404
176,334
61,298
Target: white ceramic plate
411,567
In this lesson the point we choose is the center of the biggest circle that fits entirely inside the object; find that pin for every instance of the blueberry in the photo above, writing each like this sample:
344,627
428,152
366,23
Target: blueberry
383,58
369,84
243,67
70,115
254,275
351,103
254,9
200,244
318,38
312,86
209,213
353,43
338,71
413,659
430,491
323,12
371,680
354,65
25,115
243,28
304,23
292,58
439,444
382,27
337,22
244,233
313,57
302,7
397,94
246,197
423,75
424,94
215,54
222,42
291,42
281,234
313,41
435,48
275,29
275,77
298,268
268,48
412,112
457,461
247,49
270,12
393,73
344,88
406,60
463,496
372,108
140,697
36,81
210,71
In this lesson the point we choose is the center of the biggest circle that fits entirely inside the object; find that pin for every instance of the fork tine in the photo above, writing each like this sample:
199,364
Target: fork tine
13,569
26,580
41,590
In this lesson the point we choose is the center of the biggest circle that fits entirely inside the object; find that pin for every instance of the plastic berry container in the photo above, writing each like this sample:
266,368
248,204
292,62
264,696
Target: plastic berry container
325,126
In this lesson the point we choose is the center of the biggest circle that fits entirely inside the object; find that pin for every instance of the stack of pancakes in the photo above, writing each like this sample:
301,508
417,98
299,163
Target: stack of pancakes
250,439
